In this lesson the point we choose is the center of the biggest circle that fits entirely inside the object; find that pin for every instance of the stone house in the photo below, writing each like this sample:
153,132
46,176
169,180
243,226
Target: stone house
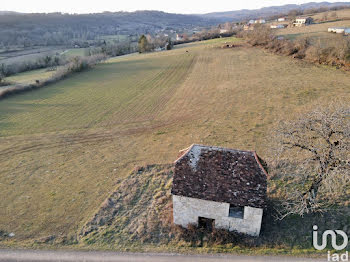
248,27
259,21
303,21
223,31
179,37
279,26
219,187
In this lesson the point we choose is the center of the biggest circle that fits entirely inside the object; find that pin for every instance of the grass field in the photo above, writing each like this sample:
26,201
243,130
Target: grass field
30,77
63,147
340,14
30,54
115,38
74,52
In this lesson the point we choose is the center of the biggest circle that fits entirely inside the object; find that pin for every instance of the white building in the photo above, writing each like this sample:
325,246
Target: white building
303,21
260,21
179,37
276,26
219,187
281,19
339,30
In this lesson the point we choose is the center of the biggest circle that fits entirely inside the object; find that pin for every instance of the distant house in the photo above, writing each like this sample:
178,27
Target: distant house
248,27
281,19
179,37
277,26
303,21
331,29
223,31
260,21
339,30
219,187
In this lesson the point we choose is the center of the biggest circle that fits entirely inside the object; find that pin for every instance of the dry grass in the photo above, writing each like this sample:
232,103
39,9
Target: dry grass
63,148
340,14
141,214
141,218
30,77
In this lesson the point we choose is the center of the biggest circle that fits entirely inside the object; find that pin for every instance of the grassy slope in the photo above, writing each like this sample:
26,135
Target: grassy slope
74,52
140,219
63,147
341,14
30,77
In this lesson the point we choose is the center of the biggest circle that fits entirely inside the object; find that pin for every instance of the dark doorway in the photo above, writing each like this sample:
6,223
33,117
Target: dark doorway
206,223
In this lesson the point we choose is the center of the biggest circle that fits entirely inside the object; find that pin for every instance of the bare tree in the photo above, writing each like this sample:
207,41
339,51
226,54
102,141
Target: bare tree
313,160
261,35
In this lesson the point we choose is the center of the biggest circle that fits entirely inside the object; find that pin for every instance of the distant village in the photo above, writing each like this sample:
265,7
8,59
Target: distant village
284,22
278,23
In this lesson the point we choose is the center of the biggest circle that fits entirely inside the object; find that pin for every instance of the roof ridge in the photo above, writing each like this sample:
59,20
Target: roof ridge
185,150
188,149
224,148
259,164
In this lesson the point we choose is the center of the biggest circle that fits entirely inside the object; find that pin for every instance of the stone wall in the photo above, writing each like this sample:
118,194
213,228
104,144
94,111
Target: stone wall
187,210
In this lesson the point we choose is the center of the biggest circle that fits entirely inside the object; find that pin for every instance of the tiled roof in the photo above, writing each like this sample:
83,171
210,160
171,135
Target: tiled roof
222,175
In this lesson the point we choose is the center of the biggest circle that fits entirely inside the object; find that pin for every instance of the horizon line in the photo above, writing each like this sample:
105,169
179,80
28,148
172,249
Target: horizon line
155,10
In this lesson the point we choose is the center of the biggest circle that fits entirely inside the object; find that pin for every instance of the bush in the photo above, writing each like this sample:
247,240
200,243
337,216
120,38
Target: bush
198,237
78,64
335,52
112,49
260,36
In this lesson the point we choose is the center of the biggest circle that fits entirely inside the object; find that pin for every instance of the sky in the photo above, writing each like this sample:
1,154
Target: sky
175,6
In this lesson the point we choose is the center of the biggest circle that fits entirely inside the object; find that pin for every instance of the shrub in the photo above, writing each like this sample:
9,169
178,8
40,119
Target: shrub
260,36
335,52
78,64
199,237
